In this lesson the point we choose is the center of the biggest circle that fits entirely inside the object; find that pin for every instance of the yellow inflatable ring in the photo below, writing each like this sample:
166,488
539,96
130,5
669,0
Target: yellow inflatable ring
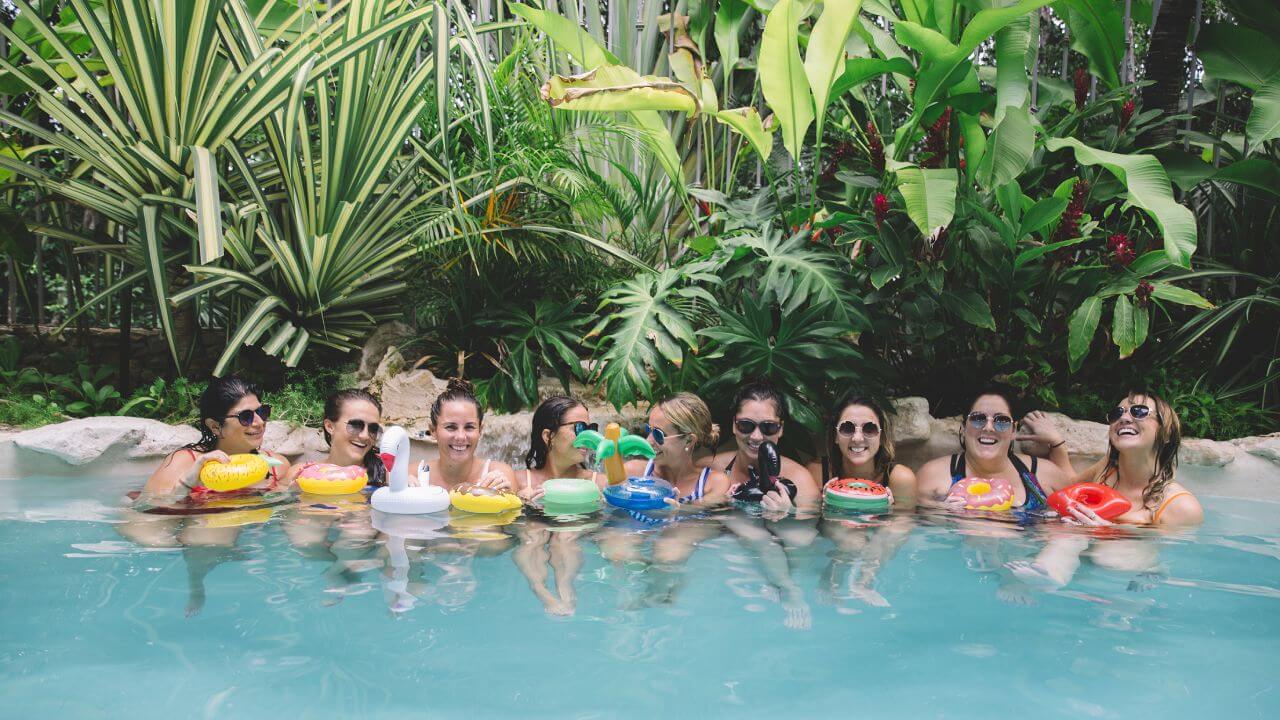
244,470
474,499
330,479
235,518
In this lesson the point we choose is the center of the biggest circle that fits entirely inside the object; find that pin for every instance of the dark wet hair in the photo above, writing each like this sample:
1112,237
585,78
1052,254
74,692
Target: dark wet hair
457,389
215,402
549,416
759,389
372,462
1168,441
884,456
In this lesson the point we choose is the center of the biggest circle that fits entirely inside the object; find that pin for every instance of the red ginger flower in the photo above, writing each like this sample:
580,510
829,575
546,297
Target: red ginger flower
1126,114
876,147
1082,87
881,206
1069,226
1121,249
1143,293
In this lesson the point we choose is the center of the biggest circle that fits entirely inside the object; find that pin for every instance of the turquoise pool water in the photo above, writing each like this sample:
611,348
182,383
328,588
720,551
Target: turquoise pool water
97,626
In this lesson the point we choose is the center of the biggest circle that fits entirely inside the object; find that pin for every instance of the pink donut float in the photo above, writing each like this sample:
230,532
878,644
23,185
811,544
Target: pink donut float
993,494
330,479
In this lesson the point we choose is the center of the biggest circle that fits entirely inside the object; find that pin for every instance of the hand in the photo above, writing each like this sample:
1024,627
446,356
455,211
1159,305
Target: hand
777,501
954,502
1038,427
531,495
1081,515
494,481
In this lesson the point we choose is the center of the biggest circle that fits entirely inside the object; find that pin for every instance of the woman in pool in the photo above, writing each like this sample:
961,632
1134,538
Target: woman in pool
860,445
556,424
457,421
678,427
759,414
986,450
1143,438
233,420
352,427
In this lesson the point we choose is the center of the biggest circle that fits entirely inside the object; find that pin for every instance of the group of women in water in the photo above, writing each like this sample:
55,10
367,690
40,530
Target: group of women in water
1143,442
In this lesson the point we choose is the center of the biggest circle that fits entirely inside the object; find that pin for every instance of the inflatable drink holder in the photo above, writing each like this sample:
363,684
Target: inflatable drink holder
244,470
475,499
640,493
570,496
397,497
992,495
764,476
858,495
330,479
1103,500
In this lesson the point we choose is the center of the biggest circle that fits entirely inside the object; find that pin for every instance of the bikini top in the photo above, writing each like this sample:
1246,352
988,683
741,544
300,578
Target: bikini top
1036,496
699,489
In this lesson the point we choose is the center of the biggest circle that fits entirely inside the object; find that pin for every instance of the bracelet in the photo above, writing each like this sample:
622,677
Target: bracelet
1058,444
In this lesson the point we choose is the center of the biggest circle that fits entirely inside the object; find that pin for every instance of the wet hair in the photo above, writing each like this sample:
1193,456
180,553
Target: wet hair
884,456
549,416
457,389
763,390
216,402
372,462
1168,441
689,414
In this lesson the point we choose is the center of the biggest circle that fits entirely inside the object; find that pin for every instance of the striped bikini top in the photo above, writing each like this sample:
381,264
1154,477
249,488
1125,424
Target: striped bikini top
699,489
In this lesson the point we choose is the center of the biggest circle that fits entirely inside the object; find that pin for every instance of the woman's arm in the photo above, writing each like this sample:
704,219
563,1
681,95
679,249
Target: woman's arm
180,473
902,483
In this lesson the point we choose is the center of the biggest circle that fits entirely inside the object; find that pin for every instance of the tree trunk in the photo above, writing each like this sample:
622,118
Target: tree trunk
1166,66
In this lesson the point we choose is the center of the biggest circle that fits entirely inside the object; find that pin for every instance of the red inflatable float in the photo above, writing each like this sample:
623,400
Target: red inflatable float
1104,501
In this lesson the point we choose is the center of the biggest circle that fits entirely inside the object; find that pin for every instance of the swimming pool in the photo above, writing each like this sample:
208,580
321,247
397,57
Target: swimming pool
96,626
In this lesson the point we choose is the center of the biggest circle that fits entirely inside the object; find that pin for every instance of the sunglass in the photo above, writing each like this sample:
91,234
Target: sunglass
849,427
355,427
580,427
658,436
246,416
746,427
1137,412
1001,423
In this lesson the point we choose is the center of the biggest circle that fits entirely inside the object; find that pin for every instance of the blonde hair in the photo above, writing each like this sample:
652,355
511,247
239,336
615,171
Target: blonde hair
1168,441
687,413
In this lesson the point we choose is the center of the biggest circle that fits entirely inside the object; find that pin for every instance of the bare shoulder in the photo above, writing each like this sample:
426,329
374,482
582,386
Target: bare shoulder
1180,507
717,461
903,474
815,472
939,467
796,472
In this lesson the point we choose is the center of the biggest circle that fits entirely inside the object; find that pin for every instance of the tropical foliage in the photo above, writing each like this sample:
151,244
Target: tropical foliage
896,195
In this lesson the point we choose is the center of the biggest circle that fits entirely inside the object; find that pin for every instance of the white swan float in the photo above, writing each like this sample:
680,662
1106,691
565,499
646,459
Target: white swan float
397,497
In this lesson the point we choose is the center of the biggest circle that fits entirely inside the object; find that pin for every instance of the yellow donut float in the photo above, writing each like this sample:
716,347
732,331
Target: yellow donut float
244,470
475,499
330,479
235,518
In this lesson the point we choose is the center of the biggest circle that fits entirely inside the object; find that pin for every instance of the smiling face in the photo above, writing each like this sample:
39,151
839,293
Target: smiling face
757,412
988,443
1130,433
561,451
457,430
236,438
674,445
347,447
858,449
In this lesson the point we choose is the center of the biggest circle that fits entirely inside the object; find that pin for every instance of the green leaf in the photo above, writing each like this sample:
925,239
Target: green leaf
1129,326
568,35
1182,296
1264,119
782,78
1042,215
730,15
1011,65
617,88
1008,150
1148,188
1097,32
825,55
930,197
860,70
208,207
155,256
970,307
1080,330
746,121
1238,54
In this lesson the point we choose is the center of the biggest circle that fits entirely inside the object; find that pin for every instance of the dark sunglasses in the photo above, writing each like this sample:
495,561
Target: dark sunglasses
1002,423
355,427
580,427
746,427
1137,412
848,428
246,416
658,436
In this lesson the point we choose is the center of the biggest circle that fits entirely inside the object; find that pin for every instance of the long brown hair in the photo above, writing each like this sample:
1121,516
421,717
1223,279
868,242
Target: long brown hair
884,456
1168,441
